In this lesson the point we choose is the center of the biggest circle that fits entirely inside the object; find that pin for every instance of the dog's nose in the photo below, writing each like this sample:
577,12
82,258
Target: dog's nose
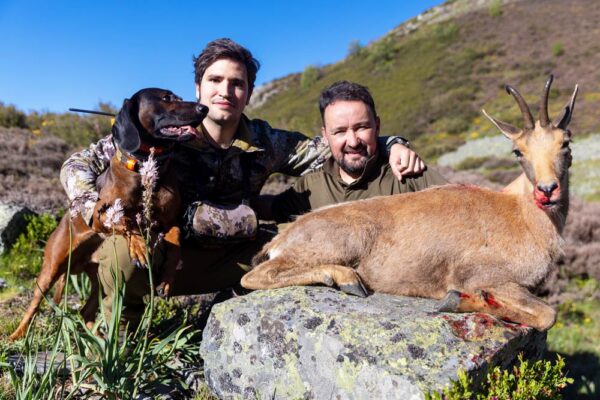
201,108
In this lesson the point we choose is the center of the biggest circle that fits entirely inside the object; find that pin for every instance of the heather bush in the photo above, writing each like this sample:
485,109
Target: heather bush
29,169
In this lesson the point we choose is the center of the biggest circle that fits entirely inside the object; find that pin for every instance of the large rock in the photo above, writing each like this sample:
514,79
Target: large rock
319,343
12,224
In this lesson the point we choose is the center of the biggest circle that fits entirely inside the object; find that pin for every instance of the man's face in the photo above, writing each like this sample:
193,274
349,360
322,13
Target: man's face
351,130
224,89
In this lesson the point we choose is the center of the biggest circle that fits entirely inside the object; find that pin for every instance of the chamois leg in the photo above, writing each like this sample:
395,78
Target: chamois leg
509,302
279,272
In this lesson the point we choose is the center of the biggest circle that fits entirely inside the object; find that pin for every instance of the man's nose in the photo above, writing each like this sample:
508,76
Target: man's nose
225,89
352,139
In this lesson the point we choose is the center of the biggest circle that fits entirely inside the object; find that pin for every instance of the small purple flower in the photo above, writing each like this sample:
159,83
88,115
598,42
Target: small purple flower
114,214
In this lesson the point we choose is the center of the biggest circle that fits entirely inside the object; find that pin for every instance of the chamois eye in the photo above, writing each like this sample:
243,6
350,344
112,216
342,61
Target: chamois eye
565,145
517,153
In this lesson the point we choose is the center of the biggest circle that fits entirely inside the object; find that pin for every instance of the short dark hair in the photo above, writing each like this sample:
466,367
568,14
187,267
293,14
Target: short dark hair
345,91
225,48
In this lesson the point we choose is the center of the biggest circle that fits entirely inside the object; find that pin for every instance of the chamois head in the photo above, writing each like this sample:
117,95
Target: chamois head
542,147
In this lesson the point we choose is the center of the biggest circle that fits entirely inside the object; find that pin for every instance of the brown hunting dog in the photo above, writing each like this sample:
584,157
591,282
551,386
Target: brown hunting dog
151,118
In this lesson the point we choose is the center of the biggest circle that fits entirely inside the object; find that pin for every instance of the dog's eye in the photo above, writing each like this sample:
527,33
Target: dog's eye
167,97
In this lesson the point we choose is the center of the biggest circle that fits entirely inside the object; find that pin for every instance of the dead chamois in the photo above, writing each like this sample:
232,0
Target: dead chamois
478,250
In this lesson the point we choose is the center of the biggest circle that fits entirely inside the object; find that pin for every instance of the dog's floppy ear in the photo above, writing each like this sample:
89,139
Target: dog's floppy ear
125,133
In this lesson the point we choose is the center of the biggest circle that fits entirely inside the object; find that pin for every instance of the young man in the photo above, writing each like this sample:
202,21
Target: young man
220,174
357,168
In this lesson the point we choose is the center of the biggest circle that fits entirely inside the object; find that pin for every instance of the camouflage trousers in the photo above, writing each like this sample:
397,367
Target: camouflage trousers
205,270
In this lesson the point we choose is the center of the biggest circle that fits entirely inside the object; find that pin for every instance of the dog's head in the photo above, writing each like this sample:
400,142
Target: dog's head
154,117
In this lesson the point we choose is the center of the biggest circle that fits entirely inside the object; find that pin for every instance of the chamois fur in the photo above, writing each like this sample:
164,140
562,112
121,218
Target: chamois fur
474,248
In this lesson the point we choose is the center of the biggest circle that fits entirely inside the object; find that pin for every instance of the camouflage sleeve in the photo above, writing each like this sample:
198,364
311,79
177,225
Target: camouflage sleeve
79,173
296,154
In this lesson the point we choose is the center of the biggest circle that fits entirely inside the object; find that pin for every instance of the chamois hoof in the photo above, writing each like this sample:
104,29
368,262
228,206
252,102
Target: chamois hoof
357,289
450,302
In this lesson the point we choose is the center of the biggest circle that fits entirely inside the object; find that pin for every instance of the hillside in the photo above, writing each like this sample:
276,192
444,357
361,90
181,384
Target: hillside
431,75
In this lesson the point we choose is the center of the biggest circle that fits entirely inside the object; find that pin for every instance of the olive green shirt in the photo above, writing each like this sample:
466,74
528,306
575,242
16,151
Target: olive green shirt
325,187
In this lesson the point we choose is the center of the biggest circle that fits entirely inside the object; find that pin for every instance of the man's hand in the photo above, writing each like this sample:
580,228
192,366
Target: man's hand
405,162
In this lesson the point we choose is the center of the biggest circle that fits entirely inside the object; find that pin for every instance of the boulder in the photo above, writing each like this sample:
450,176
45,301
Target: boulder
12,224
319,343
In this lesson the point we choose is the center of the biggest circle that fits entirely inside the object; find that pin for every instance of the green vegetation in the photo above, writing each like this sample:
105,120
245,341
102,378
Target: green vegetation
75,129
310,75
495,8
24,259
558,49
10,117
537,380
108,360
354,48
575,337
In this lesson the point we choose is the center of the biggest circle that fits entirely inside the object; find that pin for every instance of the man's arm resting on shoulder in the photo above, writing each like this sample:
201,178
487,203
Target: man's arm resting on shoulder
79,172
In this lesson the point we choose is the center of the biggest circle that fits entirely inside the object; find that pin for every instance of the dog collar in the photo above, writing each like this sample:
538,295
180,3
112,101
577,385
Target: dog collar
129,162
133,164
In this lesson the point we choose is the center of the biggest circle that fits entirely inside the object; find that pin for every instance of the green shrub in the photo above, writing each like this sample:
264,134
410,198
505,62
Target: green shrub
24,259
75,129
310,75
538,380
383,52
558,49
11,117
354,48
495,8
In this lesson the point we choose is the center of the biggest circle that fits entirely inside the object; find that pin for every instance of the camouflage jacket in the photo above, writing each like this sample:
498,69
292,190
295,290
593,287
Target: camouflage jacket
207,173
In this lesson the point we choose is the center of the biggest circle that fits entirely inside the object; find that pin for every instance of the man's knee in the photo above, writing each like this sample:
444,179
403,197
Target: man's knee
116,268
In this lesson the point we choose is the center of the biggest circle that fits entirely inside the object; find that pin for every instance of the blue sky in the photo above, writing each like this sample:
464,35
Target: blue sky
60,54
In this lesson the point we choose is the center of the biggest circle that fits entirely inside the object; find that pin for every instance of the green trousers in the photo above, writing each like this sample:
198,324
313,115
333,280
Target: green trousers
205,270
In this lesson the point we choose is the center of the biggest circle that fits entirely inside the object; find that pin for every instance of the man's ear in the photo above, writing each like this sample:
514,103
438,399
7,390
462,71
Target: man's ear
324,135
198,91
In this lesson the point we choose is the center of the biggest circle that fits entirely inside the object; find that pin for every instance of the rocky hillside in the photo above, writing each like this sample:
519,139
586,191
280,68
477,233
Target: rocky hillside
431,75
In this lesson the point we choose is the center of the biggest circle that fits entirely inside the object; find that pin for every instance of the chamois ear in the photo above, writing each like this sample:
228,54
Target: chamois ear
564,118
125,133
507,129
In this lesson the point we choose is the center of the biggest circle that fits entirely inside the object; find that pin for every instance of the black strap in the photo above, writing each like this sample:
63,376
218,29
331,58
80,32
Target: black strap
245,163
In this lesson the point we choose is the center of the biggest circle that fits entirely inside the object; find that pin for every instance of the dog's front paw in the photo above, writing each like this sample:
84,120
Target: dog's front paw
137,251
163,289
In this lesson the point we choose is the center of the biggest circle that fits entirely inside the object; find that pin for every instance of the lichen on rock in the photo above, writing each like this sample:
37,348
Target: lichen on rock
315,342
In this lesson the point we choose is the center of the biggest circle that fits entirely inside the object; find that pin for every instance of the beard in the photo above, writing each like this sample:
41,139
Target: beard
353,167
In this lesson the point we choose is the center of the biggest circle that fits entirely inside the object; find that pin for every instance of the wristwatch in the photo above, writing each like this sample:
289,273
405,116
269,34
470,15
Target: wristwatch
392,140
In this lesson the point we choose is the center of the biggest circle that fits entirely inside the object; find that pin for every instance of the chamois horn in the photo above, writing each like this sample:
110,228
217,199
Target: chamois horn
527,118
544,119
